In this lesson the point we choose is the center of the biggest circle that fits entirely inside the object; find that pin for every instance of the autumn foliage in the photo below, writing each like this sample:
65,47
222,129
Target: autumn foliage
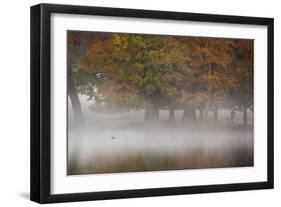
153,72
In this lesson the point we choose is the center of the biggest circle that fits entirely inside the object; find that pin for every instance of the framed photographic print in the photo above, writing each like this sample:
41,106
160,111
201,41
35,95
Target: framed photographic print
133,103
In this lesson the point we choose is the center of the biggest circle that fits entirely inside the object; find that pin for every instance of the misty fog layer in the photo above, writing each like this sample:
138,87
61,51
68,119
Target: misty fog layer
121,142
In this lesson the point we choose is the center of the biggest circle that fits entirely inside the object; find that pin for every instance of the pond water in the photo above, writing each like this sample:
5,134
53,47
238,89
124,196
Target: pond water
110,143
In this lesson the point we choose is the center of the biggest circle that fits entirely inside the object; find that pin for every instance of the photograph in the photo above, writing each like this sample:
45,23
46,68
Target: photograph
133,103
154,102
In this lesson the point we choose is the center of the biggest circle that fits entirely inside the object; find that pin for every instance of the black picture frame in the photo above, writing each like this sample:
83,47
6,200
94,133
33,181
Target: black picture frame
40,184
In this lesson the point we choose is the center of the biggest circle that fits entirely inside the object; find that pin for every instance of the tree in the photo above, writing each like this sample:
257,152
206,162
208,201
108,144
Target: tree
79,81
74,50
210,59
241,93
153,72
150,67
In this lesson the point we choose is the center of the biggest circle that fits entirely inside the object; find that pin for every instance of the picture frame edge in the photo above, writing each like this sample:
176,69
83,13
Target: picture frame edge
40,105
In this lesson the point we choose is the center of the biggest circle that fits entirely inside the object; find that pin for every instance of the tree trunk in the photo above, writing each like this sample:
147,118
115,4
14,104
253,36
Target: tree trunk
189,114
209,92
172,114
207,114
73,94
76,106
151,114
245,117
232,115
201,114
216,113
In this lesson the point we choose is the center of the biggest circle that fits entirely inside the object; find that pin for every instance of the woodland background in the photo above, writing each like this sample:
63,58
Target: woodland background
152,72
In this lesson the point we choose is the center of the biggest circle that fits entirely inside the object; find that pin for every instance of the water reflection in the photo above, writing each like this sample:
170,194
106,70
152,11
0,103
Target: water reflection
114,144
